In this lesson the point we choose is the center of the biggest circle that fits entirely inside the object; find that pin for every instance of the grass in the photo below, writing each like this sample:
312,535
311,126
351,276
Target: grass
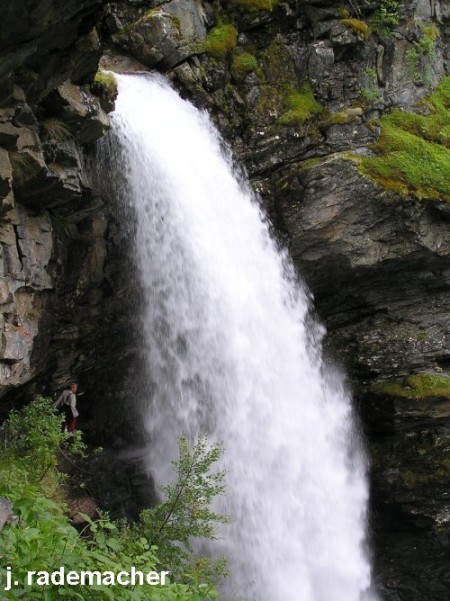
415,386
414,150
255,5
24,167
358,26
57,130
301,106
244,63
220,40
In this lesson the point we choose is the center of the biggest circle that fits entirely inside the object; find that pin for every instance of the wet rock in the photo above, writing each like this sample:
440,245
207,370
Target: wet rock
6,196
164,36
6,512
82,112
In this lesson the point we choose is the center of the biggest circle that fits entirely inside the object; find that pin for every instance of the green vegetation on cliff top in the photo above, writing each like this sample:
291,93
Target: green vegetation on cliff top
415,386
414,149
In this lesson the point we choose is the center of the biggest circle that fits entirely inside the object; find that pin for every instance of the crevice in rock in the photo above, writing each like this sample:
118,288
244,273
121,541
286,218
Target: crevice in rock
20,253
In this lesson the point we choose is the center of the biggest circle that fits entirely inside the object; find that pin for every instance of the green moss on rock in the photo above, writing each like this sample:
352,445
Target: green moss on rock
244,63
414,150
416,386
107,82
220,40
358,26
256,5
301,106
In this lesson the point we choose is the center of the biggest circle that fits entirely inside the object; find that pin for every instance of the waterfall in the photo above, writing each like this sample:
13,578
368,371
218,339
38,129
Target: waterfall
231,351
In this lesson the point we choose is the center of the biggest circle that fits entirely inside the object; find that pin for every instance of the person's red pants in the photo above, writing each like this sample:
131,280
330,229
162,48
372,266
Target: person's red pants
71,426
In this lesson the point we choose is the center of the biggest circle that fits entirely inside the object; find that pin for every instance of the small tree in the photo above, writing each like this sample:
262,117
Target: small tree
186,513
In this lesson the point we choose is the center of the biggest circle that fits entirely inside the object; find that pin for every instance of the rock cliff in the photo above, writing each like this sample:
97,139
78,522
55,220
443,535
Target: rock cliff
307,94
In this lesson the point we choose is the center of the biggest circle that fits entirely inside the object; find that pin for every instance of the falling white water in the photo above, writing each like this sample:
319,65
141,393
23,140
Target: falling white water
230,352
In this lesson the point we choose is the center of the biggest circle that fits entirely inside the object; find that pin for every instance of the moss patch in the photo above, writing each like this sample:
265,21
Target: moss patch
220,40
417,386
414,150
244,63
105,83
358,26
256,5
301,106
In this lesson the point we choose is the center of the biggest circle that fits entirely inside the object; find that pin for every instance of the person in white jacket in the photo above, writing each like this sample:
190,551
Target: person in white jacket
67,400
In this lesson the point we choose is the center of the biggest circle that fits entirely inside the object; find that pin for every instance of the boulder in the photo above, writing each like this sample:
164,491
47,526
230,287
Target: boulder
164,36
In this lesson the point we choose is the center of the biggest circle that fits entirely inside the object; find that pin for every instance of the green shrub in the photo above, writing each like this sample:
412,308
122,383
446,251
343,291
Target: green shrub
423,47
220,40
185,514
386,17
301,106
371,93
42,537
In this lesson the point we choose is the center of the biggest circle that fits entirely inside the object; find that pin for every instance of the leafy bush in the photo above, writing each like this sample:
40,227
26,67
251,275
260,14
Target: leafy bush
386,17
31,440
43,538
186,513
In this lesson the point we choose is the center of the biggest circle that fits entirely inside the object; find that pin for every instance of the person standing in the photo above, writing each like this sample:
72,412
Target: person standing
67,400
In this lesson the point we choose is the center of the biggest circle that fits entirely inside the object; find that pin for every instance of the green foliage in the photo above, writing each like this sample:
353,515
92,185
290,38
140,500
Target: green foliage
256,5
32,437
185,514
301,106
220,40
423,47
386,17
415,386
358,26
42,537
414,150
243,63
371,94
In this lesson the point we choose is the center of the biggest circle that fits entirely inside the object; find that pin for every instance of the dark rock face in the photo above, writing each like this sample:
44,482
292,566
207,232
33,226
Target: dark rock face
377,264
298,100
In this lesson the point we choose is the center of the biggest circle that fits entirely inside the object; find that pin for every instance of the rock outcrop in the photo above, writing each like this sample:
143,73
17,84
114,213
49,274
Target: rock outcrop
299,90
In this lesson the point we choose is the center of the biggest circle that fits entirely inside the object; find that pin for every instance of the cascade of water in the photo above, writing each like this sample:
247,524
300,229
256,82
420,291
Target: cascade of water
230,352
